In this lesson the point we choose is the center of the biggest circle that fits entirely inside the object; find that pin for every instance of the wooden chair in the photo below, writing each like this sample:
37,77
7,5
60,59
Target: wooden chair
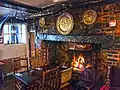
2,81
51,79
86,80
20,65
115,78
66,76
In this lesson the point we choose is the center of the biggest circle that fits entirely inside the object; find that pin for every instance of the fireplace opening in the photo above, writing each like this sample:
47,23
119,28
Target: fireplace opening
78,63
84,60
81,57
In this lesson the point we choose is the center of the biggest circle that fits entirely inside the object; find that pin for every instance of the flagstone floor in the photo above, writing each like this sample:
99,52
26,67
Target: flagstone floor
10,85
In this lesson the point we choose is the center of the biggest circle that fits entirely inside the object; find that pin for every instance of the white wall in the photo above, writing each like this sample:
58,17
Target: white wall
13,50
8,51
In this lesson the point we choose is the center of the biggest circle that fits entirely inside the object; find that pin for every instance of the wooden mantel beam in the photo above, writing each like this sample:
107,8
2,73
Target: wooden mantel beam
101,39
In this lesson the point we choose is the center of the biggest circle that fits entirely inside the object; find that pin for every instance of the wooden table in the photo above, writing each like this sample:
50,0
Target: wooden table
27,78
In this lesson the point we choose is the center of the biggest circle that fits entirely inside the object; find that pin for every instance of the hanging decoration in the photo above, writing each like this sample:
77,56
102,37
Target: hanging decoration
65,23
42,22
89,17
112,22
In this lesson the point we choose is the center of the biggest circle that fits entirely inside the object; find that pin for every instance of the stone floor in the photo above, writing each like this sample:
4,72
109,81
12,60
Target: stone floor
10,85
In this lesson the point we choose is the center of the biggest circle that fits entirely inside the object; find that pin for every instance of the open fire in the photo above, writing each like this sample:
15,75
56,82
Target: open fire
78,63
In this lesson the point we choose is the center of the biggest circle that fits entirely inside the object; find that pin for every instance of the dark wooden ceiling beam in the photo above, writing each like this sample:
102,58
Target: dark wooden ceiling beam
69,4
19,6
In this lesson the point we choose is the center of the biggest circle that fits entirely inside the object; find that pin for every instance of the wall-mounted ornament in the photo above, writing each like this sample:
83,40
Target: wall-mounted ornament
112,22
65,23
89,17
42,22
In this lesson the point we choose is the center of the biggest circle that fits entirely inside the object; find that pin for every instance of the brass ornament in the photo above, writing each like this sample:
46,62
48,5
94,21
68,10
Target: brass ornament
89,17
65,23
42,22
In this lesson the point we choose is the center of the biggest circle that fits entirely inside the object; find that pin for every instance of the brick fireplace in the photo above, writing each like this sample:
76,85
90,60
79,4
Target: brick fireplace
82,57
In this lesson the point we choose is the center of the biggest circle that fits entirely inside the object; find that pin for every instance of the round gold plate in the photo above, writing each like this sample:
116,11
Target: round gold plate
65,23
89,17
42,22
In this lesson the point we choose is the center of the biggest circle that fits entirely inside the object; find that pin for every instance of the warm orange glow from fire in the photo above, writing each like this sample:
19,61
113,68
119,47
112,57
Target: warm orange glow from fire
78,64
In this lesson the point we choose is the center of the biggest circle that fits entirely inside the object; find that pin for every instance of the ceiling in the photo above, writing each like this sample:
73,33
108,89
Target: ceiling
11,12
4,11
30,5
39,2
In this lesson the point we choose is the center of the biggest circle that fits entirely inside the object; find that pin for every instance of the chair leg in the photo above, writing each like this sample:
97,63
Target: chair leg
70,87
16,88
38,87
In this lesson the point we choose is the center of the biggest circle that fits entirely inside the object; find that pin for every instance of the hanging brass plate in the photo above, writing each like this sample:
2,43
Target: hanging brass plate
89,17
65,23
42,22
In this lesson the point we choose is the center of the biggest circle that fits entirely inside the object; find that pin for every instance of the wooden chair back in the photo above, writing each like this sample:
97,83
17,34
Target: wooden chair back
65,77
51,79
20,64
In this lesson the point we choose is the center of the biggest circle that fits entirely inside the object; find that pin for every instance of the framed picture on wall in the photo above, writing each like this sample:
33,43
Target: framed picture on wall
1,40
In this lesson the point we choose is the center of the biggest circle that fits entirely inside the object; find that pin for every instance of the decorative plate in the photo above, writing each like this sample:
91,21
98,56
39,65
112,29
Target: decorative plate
65,23
89,17
42,22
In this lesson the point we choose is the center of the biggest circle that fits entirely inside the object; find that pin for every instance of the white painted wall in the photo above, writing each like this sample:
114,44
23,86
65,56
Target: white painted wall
13,50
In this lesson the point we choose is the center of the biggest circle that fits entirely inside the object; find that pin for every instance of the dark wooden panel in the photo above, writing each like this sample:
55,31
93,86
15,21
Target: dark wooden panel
115,77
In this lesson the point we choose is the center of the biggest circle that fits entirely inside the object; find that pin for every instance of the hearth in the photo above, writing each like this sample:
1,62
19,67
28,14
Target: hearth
81,57
78,63
83,61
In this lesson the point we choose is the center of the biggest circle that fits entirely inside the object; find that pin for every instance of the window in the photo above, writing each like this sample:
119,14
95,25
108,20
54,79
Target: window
14,33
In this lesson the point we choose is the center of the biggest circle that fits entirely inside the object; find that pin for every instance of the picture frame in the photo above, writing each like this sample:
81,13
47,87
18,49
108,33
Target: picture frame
1,40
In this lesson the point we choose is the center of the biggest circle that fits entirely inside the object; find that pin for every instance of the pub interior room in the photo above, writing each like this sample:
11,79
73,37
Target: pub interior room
59,44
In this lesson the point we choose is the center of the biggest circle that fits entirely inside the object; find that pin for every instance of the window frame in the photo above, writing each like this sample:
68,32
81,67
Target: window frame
25,42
